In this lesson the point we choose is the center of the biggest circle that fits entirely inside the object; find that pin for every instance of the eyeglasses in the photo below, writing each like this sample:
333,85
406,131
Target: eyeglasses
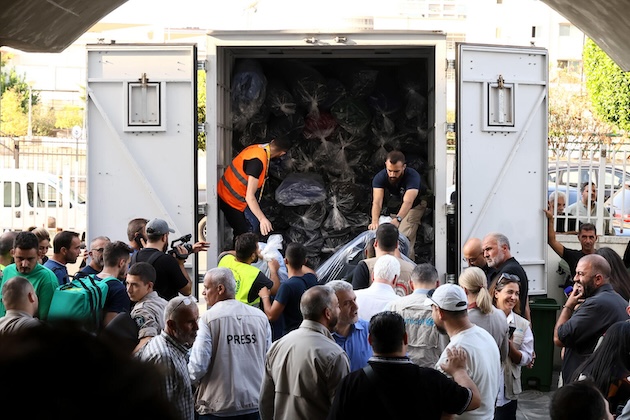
186,301
509,278
98,249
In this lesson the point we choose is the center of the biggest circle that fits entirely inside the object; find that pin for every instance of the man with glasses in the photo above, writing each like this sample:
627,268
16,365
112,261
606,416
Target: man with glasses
473,256
496,251
449,307
97,245
578,330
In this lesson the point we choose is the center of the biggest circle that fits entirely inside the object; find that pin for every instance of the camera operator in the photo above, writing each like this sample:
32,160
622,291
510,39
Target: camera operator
171,275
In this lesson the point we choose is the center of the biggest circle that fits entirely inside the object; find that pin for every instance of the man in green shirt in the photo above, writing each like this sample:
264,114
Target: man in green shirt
43,280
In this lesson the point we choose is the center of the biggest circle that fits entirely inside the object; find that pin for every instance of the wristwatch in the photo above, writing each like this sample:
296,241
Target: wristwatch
398,218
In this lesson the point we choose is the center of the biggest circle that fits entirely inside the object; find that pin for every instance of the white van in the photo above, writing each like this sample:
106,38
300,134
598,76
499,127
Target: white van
36,198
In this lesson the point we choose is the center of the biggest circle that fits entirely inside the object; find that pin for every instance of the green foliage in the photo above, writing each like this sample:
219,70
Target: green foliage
69,116
10,79
43,120
608,86
13,121
201,107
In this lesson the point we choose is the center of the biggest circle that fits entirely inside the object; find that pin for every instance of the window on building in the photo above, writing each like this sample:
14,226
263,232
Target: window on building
564,29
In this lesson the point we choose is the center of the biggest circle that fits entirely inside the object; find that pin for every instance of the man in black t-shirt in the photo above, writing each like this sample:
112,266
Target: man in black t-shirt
374,392
171,275
587,235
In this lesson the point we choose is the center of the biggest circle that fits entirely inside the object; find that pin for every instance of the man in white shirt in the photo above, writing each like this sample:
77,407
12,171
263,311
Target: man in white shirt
449,307
381,292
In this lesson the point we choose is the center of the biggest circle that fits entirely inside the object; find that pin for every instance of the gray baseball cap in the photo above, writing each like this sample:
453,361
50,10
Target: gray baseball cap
158,227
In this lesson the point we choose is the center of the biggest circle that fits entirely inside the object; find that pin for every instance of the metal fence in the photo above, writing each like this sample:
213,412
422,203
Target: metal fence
603,171
44,183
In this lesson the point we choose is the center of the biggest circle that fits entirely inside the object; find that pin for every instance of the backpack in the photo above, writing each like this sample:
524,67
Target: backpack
154,256
81,300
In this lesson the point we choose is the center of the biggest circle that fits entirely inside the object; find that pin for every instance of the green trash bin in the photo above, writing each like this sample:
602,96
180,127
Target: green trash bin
543,312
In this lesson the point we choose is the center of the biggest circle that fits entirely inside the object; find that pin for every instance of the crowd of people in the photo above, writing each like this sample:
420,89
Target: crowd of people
387,341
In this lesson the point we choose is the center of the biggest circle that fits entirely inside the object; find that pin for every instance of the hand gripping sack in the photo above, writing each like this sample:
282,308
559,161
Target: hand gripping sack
80,300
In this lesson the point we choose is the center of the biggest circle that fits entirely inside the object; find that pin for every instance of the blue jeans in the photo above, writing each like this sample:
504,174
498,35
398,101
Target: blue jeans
253,220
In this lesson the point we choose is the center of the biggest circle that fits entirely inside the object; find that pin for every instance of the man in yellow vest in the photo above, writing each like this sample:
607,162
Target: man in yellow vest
249,279
241,186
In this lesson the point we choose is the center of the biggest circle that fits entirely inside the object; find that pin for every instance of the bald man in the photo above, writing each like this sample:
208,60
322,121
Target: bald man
20,300
473,255
579,331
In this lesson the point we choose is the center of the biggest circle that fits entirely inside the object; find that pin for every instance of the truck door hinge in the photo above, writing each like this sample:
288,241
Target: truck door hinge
450,64
449,127
201,128
202,65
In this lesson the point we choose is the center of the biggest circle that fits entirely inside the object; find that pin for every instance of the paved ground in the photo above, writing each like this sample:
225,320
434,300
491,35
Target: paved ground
533,404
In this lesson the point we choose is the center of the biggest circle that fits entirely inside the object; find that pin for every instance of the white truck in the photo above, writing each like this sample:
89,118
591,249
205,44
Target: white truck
501,94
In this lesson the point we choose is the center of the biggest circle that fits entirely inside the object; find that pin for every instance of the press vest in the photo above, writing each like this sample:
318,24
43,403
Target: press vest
232,186
245,276
402,287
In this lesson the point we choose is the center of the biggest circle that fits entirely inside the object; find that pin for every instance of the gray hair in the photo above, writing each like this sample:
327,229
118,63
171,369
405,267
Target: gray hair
315,301
99,238
224,276
386,268
500,238
340,286
424,274
554,195
177,304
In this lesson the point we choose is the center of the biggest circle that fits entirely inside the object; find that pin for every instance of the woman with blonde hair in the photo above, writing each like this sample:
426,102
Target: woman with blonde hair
44,243
481,312
506,293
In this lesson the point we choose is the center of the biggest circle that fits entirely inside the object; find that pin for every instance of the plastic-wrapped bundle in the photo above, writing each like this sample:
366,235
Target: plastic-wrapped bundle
339,265
335,240
290,126
279,99
345,196
352,114
306,217
410,144
359,81
412,80
270,250
335,221
358,221
320,126
311,239
249,86
385,102
336,91
307,85
300,189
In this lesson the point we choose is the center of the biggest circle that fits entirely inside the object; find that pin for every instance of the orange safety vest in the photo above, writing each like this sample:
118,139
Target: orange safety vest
232,186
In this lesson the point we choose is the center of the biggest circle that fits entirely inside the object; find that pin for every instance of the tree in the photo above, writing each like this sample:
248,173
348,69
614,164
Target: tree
608,86
43,120
13,121
10,79
69,116
201,107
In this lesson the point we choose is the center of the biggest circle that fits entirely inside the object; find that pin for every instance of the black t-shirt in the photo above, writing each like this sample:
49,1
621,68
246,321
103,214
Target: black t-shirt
410,180
572,256
403,391
289,295
253,167
169,277
360,276
260,282
511,266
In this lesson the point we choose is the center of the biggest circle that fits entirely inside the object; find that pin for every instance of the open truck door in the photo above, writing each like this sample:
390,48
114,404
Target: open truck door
502,108
142,139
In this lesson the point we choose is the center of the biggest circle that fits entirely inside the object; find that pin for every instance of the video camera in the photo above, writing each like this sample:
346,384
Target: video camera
183,241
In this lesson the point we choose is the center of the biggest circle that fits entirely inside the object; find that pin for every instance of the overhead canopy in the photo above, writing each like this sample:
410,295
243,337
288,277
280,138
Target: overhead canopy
52,25
49,25
607,22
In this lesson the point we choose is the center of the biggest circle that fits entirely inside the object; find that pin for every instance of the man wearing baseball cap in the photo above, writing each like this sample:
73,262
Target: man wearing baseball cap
449,308
171,275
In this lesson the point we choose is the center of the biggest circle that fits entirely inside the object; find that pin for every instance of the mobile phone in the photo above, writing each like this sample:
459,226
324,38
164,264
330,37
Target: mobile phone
568,290
512,329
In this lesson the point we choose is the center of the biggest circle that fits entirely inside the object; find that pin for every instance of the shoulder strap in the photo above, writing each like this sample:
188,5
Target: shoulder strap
373,380
154,256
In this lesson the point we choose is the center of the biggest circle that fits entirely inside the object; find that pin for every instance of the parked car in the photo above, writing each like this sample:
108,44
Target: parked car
574,175
619,208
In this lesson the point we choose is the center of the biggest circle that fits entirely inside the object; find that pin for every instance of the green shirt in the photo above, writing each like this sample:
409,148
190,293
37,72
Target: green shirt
44,282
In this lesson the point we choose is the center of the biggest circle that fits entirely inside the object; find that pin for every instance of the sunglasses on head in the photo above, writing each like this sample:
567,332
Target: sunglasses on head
509,278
